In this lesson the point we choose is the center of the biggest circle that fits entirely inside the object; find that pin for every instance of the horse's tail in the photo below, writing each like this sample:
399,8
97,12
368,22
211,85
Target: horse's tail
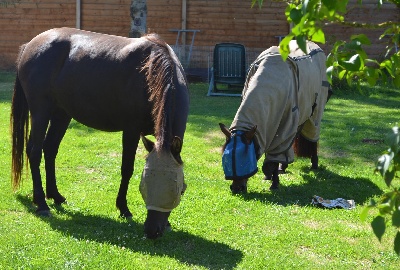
159,69
19,125
304,148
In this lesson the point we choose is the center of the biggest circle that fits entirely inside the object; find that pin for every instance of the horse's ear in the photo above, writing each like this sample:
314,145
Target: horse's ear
250,134
225,130
176,146
149,145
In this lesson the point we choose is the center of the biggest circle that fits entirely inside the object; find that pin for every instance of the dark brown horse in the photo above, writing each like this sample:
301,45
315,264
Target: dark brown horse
279,116
109,83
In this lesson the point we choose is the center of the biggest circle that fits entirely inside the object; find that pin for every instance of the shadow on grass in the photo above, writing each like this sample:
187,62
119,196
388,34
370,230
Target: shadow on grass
128,234
323,182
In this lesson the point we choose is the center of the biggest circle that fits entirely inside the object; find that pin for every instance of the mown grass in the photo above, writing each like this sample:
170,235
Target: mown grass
211,228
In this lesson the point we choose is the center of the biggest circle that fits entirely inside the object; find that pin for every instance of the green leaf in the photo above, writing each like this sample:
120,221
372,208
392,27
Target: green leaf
329,4
362,38
353,45
387,64
296,15
302,43
329,72
371,80
396,80
342,74
397,243
389,176
353,64
364,213
318,36
378,226
383,164
393,139
372,75
341,5
384,208
284,46
396,218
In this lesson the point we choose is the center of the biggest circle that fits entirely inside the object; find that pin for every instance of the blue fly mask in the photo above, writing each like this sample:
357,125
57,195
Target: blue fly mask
239,158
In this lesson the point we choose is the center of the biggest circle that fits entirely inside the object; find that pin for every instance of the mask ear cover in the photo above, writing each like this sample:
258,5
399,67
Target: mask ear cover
239,159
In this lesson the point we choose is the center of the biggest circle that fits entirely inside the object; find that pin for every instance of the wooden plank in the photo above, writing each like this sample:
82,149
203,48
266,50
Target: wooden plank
38,13
40,5
105,7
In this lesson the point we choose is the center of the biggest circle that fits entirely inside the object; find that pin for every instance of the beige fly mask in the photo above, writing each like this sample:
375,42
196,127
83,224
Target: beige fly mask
162,182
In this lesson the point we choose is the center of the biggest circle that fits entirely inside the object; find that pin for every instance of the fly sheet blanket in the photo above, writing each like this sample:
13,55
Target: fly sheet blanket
282,98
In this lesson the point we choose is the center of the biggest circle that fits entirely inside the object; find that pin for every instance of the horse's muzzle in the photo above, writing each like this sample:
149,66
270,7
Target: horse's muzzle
156,223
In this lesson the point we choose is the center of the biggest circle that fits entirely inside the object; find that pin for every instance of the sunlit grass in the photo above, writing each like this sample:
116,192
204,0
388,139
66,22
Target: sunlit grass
211,228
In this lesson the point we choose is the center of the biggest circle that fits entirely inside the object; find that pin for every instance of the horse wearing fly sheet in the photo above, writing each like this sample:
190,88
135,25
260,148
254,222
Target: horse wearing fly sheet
110,83
282,104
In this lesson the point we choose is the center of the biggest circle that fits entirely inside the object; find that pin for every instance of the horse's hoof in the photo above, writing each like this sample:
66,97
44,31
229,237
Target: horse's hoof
314,167
43,213
269,177
58,199
168,227
127,215
282,168
274,186
238,190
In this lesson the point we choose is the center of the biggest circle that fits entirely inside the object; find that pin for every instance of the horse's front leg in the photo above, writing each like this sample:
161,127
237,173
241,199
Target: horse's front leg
130,141
239,186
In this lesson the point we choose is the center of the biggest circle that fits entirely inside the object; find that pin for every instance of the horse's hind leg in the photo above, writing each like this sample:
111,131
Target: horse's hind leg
313,154
39,123
275,177
58,126
314,162
271,171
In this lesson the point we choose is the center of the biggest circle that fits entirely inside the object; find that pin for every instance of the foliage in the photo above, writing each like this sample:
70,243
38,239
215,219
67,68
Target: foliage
389,204
347,59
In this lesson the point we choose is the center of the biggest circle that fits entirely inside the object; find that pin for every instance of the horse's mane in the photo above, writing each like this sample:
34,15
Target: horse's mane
159,69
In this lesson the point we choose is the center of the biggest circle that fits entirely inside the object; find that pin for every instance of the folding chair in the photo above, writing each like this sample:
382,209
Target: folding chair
228,72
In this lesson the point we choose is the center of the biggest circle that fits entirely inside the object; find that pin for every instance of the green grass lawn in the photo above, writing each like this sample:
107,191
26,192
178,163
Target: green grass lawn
211,228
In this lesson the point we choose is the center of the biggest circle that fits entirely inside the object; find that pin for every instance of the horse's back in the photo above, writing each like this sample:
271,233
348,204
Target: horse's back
279,96
87,74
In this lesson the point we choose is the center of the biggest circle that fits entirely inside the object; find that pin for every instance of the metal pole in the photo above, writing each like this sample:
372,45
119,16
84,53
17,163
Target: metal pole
78,14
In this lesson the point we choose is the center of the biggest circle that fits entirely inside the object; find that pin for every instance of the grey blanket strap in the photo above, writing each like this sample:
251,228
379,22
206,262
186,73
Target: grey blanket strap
326,84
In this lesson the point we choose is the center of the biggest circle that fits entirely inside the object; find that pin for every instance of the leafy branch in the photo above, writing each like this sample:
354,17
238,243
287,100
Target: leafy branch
347,59
388,166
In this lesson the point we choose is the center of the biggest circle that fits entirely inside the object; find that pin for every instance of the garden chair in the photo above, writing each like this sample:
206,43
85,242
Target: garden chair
228,72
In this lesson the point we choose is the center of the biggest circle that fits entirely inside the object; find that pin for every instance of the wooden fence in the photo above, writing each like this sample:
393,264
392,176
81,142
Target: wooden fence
217,21
21,20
